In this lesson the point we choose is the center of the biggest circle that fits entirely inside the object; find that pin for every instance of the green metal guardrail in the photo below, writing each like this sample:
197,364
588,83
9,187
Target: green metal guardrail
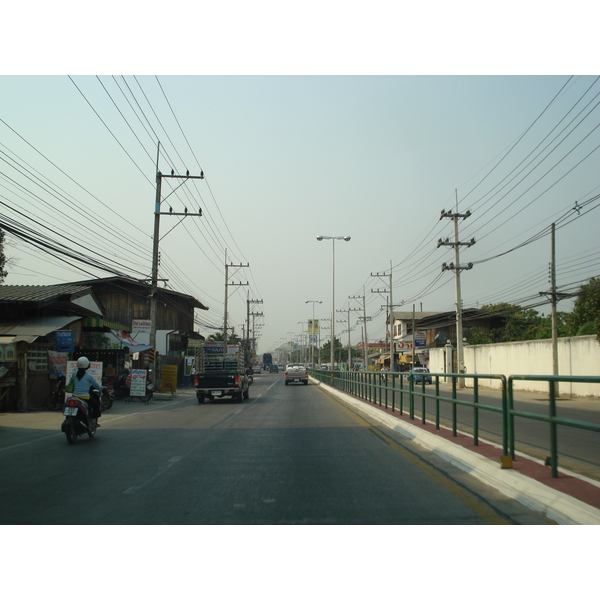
384,388
552,420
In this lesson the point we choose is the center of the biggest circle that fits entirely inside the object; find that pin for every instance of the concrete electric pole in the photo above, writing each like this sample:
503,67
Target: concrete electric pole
455,266
156,239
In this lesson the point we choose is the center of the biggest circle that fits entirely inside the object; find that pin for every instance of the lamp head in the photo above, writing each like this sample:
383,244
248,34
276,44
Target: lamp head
346,238
320,238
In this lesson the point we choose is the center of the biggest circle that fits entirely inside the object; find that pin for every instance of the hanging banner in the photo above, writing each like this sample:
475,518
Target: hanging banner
313,326
125,338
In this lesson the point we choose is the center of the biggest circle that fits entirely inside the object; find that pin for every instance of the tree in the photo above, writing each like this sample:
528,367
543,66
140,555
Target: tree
521,324
3,273
585,318
326,350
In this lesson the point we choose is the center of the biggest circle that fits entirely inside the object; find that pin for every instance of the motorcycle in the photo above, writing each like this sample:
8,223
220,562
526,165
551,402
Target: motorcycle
106,398
119,390
77,418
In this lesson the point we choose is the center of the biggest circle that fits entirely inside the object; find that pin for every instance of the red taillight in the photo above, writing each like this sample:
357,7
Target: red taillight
72,402
236,380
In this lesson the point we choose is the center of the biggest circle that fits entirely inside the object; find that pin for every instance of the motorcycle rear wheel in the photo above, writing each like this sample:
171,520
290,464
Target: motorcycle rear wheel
70,433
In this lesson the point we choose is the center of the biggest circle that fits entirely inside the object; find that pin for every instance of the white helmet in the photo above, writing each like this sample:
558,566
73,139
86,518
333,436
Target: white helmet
83,363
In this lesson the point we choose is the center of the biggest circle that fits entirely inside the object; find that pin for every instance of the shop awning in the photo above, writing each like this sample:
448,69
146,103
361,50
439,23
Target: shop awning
30,330
95,322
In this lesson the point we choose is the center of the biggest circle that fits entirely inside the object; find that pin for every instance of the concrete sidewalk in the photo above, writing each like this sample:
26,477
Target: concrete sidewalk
568,499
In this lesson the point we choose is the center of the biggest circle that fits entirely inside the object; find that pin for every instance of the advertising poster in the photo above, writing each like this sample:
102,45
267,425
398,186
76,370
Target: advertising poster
58,363
169,378
95,370
138,382
8,353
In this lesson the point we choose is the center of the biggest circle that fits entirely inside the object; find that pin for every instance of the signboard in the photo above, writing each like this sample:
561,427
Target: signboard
138,382
141,326
213,347
195,343
233,349
313,326
95,370
404,345
64,341
420,338
169,378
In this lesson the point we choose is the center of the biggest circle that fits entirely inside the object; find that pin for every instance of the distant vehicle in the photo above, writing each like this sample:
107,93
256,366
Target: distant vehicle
419,378
256,369
296,373
267,361
274,369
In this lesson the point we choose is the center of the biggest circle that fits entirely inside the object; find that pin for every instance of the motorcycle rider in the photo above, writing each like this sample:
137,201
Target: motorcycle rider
82,381
121,388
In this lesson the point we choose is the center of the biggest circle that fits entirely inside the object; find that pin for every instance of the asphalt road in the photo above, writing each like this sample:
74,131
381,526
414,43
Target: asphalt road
288,455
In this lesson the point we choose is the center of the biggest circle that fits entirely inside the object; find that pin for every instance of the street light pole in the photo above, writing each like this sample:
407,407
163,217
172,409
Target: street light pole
320,238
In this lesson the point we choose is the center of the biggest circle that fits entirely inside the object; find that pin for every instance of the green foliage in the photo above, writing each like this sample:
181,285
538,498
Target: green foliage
585,318
326,350
97,340
521,324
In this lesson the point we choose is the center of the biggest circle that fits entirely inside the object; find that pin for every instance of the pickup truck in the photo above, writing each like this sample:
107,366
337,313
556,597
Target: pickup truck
220,374
296,373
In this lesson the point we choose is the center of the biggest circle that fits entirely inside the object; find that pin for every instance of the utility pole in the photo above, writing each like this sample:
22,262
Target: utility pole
457,268
248,303
364,318
554,297
254,315
348,310
155,242
390,317
227,284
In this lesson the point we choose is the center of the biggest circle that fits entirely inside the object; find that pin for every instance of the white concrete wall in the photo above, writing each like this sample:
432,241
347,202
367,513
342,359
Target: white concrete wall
576,356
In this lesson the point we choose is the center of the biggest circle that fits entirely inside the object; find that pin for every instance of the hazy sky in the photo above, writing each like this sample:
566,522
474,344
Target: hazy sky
287,158
305,122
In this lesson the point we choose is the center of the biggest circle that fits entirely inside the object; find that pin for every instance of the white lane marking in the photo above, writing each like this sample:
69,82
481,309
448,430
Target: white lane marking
162,469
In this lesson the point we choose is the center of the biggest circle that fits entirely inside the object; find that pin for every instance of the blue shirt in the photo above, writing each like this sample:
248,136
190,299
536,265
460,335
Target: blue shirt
82,386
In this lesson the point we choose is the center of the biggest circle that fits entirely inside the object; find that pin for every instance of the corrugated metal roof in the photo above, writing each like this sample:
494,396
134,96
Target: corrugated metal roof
29,330
39,293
